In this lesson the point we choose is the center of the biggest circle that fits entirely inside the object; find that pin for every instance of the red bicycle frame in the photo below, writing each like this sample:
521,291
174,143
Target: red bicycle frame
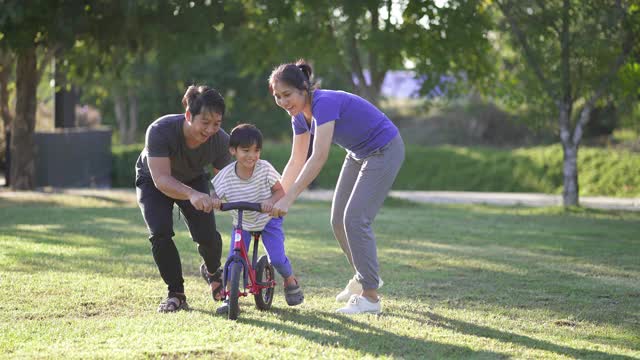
240,255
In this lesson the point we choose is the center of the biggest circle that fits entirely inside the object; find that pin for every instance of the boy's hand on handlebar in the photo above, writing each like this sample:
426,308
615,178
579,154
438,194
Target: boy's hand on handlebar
266,206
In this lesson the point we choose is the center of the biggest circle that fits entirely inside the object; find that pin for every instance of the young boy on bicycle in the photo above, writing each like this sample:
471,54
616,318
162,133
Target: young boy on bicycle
254,180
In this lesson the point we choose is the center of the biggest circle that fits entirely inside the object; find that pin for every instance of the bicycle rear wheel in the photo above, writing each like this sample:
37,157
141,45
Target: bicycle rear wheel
264,273
234,291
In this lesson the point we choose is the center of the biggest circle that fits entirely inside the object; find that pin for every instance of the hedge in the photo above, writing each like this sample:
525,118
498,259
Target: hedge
605,172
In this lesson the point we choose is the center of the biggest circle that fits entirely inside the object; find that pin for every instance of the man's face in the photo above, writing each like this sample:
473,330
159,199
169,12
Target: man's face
204,125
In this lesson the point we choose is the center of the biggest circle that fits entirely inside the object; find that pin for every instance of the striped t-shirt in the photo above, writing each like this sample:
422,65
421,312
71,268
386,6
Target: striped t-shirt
229,187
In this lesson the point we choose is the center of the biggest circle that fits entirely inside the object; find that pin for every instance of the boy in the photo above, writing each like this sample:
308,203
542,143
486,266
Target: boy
254,180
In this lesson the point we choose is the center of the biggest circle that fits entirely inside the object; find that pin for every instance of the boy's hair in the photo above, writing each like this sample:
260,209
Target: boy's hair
245,135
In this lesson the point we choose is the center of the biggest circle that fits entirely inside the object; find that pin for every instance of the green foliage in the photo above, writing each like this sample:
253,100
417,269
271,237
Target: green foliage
536,71
341,38
449,44
123,165
461,282
604,172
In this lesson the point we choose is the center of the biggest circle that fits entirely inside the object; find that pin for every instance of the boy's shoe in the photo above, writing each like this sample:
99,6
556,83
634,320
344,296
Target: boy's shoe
359,304
224,308
293,294
353,288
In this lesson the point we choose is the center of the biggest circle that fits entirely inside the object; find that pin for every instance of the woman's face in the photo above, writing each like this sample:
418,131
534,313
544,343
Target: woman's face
291,99
204,125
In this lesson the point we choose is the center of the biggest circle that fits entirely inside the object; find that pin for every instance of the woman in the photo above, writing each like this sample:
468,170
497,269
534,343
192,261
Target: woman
170,170
375,152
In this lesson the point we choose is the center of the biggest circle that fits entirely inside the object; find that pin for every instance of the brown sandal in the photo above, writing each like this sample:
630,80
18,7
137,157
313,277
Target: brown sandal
174,302
216,277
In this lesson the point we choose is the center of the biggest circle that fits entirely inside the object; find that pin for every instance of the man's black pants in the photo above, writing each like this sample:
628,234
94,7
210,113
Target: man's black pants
157,210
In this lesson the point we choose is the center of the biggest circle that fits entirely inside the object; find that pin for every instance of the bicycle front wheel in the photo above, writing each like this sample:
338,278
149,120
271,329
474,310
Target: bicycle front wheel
234,291
264,273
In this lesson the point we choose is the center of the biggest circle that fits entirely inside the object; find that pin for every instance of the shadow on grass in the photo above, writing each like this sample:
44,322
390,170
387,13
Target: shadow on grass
432,319
348,333
71,239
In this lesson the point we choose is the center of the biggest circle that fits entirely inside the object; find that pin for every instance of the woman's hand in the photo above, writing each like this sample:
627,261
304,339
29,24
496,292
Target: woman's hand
267,206
281,207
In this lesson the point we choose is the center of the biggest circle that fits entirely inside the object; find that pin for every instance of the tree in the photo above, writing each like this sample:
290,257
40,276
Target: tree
350,42
26,27
449,45
6,72
143,71
568,55
23,29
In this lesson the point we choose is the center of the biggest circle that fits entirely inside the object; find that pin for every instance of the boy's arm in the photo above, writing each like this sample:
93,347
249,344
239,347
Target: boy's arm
277,192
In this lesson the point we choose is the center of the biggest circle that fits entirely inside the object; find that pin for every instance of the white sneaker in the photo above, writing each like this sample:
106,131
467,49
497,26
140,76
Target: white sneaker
353,288
359,304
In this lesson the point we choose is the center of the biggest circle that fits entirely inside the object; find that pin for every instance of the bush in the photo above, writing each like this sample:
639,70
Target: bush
124,162
539,169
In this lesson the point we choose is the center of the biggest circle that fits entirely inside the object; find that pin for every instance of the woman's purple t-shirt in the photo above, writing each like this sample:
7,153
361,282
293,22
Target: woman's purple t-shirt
360,127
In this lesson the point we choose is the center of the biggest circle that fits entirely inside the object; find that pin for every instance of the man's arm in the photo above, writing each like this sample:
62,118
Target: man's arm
160,168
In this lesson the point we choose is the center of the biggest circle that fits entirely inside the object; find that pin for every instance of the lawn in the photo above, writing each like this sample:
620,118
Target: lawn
78,281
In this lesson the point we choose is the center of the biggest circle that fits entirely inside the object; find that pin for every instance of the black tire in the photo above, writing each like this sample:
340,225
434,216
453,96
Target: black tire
234,290
264,273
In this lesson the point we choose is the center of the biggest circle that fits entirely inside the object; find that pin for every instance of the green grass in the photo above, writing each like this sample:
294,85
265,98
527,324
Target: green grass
78,281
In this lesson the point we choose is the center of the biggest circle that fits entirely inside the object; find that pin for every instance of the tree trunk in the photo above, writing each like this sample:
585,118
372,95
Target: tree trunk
368,90
120,109
6,65
570,175
23,127
5,72
133,117
570,159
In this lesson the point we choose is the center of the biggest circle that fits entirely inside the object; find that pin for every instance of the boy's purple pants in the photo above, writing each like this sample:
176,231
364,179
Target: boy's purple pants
273,241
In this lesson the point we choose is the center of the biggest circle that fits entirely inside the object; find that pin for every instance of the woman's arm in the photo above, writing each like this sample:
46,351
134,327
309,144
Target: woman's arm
297,159
160,169
319,156
311,169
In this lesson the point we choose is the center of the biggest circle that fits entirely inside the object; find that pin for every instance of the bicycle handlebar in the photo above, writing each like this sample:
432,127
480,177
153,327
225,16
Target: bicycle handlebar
241,205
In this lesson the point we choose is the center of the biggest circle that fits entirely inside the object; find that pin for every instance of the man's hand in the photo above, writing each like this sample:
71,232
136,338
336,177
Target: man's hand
217,203
201,201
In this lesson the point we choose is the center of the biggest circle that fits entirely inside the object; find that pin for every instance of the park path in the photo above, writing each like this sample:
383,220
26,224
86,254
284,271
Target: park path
433,197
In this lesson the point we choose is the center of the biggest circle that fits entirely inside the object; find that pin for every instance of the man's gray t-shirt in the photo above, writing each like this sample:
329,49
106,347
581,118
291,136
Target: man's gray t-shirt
165,138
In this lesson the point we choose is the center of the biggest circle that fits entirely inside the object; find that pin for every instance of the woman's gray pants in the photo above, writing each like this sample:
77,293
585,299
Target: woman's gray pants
360,192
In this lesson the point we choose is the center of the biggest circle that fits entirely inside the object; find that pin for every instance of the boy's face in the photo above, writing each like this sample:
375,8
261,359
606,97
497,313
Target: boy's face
246,156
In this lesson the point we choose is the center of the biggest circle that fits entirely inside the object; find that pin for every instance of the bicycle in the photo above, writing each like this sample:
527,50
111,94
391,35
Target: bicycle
257,275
